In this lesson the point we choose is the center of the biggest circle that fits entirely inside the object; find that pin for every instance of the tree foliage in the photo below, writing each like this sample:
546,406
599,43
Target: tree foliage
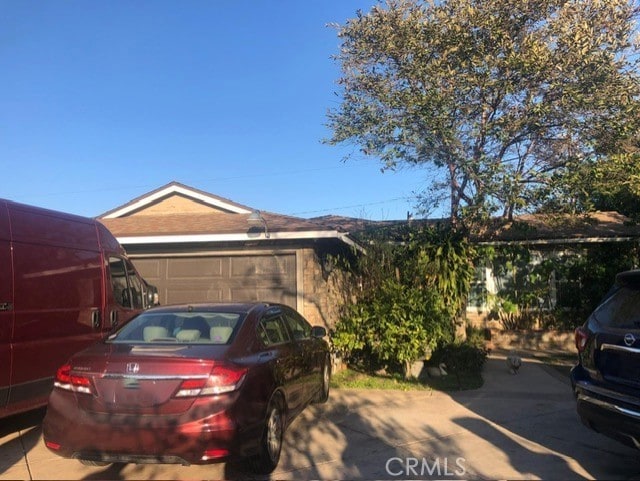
500,99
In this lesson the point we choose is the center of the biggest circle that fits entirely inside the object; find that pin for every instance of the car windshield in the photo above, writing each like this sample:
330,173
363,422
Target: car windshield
180,327
622,309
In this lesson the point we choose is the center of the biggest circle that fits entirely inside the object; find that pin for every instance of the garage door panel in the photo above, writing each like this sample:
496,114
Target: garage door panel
274,266
182,296
195,268
268,295
149,268
222,278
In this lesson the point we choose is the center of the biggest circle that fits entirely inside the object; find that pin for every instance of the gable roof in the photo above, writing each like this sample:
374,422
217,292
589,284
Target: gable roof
172,189
176,213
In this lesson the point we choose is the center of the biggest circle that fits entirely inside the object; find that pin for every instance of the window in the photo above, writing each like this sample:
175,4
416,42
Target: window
127,286
299,327
621,310
272,331
118,276
180,327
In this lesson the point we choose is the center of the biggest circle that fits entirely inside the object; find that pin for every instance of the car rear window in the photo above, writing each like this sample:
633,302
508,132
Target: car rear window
180,327
621,309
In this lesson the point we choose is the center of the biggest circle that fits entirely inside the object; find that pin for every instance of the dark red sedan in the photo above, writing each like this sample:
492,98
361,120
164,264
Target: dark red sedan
190,384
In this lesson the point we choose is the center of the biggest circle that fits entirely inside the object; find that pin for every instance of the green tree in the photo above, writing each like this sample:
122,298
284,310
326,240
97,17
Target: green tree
498,98
608,183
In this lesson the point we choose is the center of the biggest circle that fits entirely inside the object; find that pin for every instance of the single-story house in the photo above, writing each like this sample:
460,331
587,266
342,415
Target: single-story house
196,246
545,236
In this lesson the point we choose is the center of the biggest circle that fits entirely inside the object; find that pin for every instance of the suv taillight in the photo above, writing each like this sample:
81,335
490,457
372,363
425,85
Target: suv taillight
581,338
223,378
72,382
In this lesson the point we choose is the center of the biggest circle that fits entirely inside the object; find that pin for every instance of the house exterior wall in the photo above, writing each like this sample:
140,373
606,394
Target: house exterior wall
176,204
323,292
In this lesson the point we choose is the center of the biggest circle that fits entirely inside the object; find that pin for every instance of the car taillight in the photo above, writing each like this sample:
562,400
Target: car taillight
221,380
72,382
581,338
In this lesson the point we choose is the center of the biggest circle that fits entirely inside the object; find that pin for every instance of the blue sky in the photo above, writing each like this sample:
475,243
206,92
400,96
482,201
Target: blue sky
103,101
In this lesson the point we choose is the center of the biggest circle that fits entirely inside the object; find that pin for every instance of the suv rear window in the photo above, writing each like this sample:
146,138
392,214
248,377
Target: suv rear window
621,309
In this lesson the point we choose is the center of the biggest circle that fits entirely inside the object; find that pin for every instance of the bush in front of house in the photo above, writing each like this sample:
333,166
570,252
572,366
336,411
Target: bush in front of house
460,357
392,327
461,360
410,295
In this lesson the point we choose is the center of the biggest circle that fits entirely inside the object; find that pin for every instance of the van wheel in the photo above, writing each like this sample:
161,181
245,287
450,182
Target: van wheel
271,441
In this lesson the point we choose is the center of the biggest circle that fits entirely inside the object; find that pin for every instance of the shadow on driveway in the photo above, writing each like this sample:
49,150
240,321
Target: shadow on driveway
531,417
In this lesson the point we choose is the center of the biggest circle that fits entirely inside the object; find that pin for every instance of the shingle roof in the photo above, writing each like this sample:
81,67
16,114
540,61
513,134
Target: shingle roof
546,227
596,226
197,223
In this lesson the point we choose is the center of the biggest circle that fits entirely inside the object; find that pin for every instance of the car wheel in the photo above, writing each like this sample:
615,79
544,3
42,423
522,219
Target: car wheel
271,441
323,394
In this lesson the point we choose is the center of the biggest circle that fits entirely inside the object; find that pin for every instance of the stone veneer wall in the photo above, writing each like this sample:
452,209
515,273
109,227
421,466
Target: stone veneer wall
324,293
532,340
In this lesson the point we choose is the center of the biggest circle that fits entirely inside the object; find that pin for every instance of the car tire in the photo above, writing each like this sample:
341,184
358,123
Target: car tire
323,394
271,440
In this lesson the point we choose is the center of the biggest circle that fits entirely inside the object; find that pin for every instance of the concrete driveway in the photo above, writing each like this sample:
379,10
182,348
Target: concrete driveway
516,427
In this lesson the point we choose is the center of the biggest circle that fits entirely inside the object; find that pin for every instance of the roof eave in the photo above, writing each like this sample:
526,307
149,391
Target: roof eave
236,237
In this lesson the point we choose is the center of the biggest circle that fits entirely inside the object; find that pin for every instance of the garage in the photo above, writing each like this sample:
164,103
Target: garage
214,278
195,246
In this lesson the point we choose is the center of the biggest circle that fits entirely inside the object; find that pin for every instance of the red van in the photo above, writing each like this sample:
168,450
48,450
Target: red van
65,282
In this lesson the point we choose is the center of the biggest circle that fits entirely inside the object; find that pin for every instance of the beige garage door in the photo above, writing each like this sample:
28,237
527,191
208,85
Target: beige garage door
222,278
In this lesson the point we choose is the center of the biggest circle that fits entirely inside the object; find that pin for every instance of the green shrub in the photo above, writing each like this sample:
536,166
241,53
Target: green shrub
392,328
460,358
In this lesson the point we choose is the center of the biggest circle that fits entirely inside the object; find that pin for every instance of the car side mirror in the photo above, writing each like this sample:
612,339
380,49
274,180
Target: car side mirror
318,331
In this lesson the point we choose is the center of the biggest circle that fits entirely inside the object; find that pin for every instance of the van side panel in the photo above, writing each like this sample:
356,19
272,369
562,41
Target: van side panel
58,291
108,243
6,304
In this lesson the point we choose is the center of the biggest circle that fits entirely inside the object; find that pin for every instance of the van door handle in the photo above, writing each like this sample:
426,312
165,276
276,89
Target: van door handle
95,319
6,306
114,318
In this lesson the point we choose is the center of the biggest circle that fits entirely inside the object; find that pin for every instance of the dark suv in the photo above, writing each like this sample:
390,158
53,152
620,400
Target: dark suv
606,380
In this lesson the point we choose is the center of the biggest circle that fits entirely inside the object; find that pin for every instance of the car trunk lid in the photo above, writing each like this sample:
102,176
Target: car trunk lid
144,381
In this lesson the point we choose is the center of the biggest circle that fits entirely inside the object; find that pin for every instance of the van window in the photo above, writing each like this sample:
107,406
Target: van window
119,281
135,285
126,285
